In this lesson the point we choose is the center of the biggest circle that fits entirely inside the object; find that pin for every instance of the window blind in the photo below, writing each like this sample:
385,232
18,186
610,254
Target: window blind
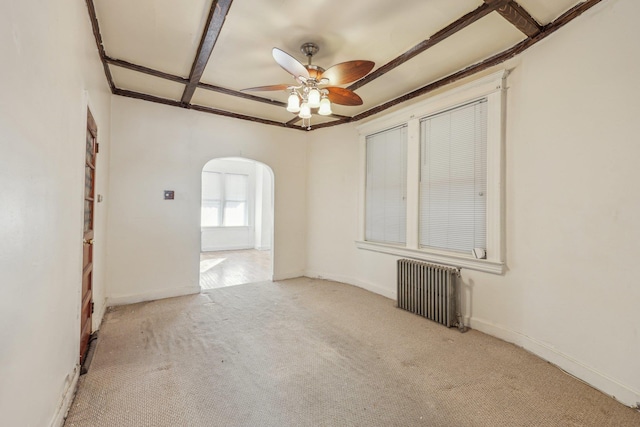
453,179
386,186
211,199
235,205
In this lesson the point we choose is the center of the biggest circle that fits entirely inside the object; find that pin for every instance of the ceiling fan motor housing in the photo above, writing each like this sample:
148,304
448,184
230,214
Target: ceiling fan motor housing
309,49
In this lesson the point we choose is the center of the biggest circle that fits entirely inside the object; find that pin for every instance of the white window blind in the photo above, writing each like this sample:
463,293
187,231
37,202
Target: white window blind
224,199
211,199
453,179
386,186
235,204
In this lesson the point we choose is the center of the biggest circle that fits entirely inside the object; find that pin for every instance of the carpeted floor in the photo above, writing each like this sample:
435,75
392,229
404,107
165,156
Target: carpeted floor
306,352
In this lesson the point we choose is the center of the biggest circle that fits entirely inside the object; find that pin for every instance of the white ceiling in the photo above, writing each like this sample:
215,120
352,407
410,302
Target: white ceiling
164,35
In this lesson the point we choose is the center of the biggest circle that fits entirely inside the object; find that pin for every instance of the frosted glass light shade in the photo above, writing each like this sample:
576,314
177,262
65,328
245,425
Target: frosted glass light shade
293,103
325,107
314,98
305,111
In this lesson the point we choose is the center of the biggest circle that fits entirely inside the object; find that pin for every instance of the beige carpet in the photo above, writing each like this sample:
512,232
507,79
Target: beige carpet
307,352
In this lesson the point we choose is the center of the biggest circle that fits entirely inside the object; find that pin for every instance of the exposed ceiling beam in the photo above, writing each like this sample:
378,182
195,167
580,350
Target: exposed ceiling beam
296,119
173,103
96,34
147,97
436,38
146,70
517,15
239,116
215,20
497,59
547,30
238,94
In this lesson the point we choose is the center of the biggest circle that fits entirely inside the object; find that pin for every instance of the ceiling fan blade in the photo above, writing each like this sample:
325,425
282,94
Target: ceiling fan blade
347,72
266,88
343,96
290,64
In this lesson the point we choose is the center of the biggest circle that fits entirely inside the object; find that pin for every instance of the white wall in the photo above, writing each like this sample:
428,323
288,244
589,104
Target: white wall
154,245
49,60
264,208
573,216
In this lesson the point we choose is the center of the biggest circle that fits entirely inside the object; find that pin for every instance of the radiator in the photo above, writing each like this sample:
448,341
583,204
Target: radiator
428,290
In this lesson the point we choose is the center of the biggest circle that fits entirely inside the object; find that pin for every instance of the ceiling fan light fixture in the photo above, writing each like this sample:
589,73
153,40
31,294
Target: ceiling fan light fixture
310,93
293,103
314,98
305,111
325,106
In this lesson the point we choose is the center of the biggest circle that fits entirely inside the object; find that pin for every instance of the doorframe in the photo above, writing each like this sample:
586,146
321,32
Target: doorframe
88,250
273,205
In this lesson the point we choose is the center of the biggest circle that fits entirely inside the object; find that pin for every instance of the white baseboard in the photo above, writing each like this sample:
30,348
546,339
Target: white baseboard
67,398
225,248
350,281
287,275
151,296
98,315
576,368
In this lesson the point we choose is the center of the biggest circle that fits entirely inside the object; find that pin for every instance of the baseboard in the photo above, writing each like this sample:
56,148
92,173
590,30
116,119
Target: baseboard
99,315
151,296
391,294
67,399
621,392
289,275
225,248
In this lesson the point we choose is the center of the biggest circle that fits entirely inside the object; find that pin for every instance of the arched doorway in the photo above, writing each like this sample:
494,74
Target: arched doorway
236,223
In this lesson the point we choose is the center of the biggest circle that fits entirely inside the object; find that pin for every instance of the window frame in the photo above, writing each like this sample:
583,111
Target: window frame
492,88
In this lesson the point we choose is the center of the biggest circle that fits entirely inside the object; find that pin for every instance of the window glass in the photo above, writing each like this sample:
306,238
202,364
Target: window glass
224,199
453,179
386,186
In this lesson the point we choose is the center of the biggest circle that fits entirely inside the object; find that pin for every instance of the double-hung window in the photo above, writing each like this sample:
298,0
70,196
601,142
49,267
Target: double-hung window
432,179
386,188
453,179
224,199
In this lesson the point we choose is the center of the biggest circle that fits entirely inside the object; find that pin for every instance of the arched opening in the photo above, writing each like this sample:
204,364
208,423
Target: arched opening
236,223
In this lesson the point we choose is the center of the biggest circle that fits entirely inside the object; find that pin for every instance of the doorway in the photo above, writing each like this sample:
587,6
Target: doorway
236,223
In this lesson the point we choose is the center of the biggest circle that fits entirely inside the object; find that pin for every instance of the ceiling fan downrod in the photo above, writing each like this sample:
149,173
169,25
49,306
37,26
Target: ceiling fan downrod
309,49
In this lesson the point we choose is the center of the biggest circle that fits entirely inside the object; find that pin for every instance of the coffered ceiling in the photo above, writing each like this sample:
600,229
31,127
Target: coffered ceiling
200,54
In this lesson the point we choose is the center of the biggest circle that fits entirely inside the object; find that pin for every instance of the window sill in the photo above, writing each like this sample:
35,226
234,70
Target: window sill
460,261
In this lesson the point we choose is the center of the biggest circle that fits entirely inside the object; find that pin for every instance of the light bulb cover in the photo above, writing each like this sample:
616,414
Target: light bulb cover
325,106
314,98
293,103
305,111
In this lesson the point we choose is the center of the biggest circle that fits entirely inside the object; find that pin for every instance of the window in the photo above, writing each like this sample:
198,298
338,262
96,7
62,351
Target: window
386,191
432,179
453,179
224,199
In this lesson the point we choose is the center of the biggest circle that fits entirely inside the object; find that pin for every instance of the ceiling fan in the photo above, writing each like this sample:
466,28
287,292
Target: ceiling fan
311,90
